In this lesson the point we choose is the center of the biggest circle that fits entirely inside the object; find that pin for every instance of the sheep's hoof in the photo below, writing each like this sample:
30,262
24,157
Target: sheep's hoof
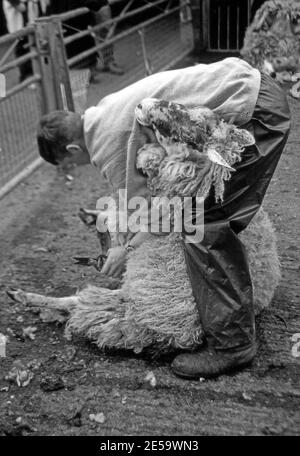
17,295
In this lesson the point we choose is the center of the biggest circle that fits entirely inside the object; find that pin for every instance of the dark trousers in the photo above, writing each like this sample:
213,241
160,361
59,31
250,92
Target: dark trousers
225,302
26,70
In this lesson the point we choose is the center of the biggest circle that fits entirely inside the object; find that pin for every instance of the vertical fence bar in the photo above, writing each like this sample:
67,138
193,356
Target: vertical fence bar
228,28
238,28
205,35
196,12
148,69
249,12
219,27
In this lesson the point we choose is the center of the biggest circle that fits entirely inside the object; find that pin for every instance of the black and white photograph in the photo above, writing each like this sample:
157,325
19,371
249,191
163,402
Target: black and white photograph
149,211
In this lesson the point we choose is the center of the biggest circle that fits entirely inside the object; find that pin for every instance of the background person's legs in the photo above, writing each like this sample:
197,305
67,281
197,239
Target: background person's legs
107,54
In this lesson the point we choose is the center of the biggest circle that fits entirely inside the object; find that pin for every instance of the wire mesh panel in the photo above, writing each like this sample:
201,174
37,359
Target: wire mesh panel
167,40
18,119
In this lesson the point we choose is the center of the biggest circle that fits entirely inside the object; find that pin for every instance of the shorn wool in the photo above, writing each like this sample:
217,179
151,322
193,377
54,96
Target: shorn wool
155,307
197,149
274,38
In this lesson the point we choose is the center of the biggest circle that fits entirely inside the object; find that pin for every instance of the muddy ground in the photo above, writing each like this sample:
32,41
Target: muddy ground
40,234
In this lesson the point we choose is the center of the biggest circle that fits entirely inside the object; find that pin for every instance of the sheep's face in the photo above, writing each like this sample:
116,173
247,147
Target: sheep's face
145,111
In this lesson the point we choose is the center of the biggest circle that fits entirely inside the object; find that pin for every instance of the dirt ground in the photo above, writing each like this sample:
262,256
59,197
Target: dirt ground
40,234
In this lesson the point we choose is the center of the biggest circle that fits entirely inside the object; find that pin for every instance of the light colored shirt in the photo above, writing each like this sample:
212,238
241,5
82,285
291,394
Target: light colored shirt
229,87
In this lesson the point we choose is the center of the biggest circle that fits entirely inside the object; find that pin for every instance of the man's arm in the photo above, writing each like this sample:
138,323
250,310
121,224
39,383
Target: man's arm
115,263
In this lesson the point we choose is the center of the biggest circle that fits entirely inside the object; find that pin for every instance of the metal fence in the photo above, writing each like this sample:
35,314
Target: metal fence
153,45
227,22
59,82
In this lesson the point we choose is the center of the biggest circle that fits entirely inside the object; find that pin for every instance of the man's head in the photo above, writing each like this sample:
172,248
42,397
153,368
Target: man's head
60,139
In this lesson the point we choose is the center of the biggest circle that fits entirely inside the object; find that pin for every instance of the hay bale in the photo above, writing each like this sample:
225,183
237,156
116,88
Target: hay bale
155,306
274,35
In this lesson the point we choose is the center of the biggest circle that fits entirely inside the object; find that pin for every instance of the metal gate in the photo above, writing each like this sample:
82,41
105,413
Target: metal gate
227,22
155,44
61,82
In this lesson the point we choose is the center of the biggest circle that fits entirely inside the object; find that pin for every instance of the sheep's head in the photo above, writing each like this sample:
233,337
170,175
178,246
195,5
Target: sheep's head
145,111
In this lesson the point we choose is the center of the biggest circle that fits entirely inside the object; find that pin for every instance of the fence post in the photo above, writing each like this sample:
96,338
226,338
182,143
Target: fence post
53,62
147,64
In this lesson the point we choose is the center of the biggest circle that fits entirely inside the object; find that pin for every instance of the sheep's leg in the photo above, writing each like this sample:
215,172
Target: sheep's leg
64,305
96,313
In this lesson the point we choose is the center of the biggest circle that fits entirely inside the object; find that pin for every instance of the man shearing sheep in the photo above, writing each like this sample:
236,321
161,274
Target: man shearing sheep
108,136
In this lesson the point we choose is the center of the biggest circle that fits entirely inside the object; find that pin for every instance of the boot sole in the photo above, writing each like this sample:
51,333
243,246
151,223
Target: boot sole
229,370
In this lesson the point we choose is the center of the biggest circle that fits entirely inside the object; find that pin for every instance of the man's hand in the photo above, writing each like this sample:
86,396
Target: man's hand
115,263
